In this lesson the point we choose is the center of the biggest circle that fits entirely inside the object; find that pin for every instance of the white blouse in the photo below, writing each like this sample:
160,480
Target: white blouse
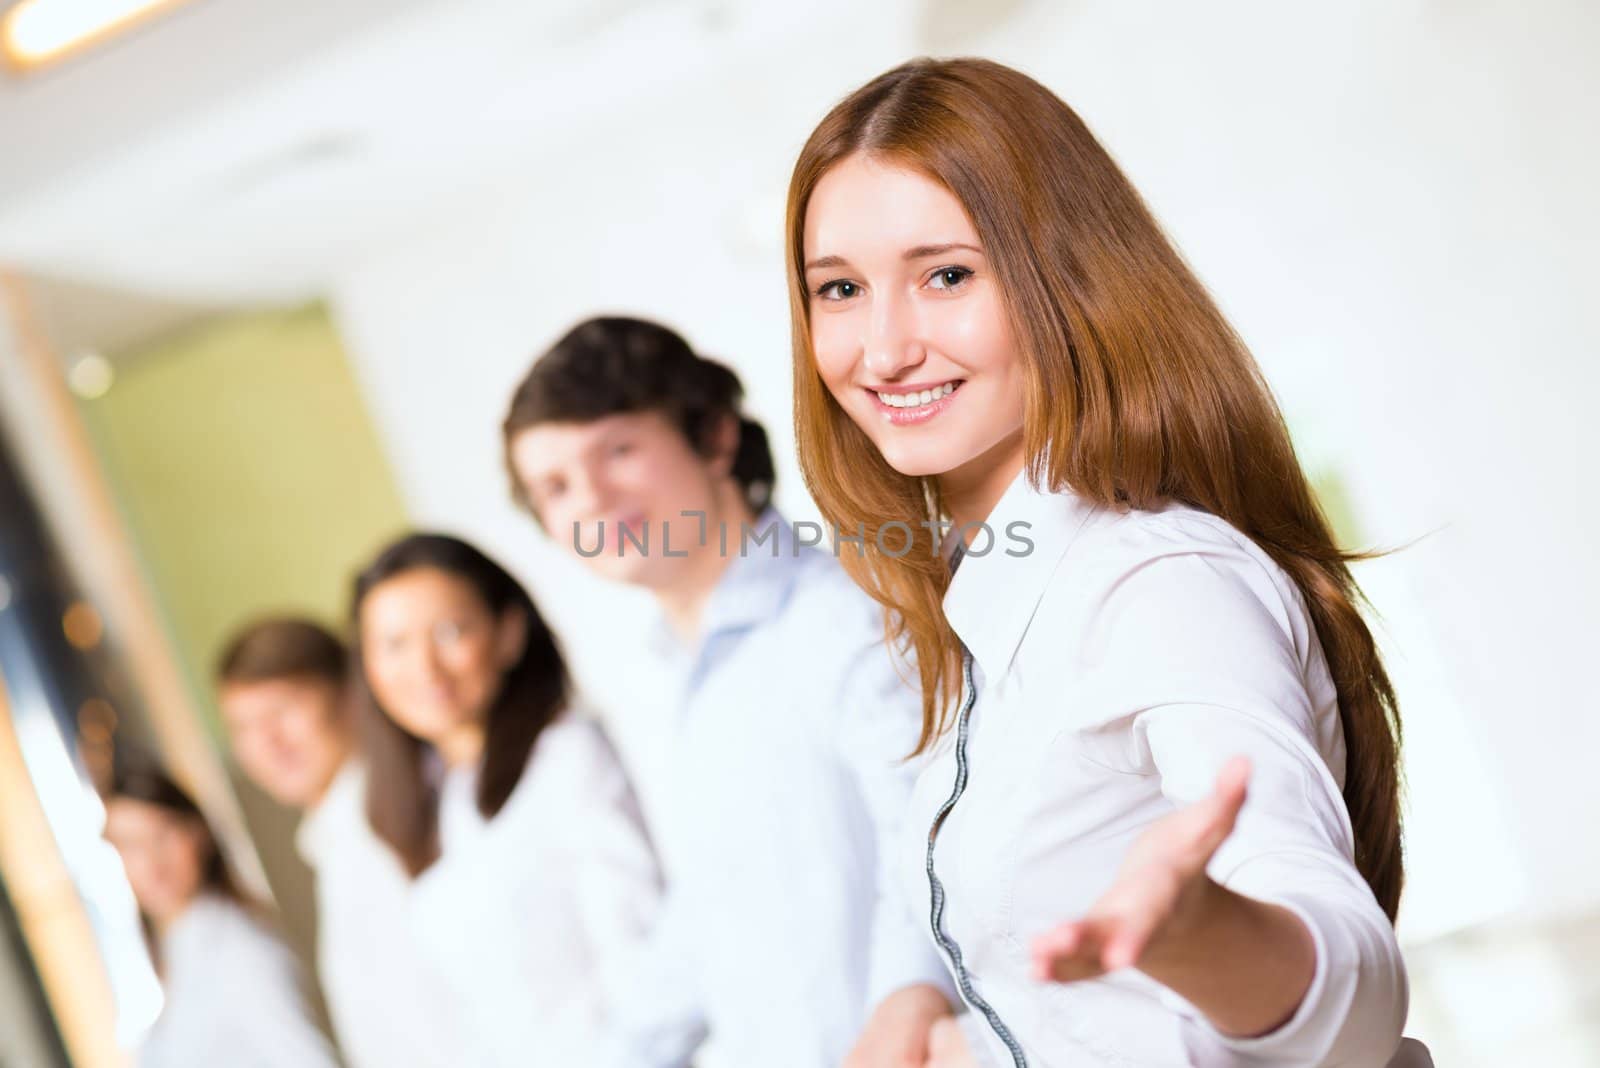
389,1004
535,917
233,996
1118,665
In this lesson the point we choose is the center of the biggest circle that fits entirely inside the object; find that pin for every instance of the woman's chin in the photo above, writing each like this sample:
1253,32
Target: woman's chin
436,725
920,460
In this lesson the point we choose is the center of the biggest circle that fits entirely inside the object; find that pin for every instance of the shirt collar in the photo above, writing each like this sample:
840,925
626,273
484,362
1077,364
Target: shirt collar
993,597
755,584
188,935
316,837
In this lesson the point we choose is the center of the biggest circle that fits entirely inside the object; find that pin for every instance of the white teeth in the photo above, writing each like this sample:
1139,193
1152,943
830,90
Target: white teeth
917,400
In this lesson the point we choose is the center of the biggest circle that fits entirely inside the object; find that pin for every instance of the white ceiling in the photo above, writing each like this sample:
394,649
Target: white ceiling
242,150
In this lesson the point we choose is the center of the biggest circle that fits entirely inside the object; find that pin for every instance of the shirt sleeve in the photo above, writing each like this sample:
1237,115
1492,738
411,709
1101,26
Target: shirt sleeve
880,716
268,981
1226,662
653,1019
659,1020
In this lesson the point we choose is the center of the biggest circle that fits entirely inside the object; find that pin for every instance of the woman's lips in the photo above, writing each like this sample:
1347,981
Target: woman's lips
918,405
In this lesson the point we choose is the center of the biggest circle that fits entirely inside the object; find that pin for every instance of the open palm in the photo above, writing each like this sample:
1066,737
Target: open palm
1161,885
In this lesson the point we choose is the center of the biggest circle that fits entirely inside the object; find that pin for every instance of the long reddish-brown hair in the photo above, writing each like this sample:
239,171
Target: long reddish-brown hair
1138,390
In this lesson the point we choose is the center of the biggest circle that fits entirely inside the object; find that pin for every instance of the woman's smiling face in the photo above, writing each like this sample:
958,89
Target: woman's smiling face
908,325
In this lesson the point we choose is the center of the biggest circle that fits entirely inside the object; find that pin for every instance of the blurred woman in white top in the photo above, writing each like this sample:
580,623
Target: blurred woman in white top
232,989
991,330
533,882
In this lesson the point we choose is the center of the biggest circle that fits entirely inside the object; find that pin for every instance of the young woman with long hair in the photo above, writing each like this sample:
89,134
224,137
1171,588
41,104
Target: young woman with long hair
232,989
1126,607
533,880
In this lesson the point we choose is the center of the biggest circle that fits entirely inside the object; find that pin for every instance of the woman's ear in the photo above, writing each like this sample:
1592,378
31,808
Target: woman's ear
511,637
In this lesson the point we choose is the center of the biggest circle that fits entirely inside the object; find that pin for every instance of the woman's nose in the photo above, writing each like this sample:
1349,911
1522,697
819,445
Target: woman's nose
891,347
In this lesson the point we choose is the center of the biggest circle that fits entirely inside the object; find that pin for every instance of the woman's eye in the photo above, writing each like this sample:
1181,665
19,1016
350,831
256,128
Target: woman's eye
949,277
838,290
622,448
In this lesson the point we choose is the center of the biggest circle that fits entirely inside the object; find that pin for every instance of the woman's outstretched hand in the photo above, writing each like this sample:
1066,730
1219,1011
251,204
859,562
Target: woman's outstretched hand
1166,917
1160,892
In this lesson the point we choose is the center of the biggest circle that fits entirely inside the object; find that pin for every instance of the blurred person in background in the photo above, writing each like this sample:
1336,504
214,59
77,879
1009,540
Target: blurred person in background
991,329
772,725
284,689
533,882
232,988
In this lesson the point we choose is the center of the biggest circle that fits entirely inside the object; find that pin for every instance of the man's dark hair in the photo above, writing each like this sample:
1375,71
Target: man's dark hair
611,365
283,648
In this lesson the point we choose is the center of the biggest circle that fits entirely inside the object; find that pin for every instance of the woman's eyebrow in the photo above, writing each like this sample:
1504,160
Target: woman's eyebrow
916,252
924,251
826,261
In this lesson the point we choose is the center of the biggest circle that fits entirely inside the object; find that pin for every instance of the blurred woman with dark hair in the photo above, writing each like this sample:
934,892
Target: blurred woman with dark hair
532,876
232,988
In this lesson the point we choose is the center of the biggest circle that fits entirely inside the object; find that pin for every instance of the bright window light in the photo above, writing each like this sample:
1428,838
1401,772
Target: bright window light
36,32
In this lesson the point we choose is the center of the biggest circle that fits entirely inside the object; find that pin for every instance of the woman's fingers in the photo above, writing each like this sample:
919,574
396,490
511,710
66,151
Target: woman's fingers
1127,943
1060,941
944,1037
1168,858
1233,783
1074,950
1224,804
947,1046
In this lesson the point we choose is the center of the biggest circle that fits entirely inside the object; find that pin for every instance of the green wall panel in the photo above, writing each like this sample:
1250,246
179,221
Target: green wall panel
247,466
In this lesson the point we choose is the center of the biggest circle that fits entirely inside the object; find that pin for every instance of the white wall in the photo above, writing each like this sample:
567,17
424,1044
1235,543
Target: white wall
1392,200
